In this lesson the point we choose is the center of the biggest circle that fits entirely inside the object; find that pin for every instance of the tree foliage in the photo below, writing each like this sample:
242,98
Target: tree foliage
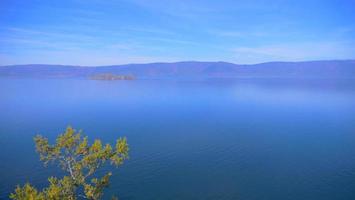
80,160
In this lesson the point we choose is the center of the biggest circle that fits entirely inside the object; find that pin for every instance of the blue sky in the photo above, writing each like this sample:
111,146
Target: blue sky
105,32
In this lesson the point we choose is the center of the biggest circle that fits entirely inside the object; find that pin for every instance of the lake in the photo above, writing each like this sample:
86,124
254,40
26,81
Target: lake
247,139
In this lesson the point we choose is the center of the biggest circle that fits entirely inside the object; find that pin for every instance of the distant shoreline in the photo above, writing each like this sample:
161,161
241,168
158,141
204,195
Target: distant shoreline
333,68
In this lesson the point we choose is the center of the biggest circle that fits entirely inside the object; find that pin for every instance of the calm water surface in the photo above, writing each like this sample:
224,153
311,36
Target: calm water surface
208,139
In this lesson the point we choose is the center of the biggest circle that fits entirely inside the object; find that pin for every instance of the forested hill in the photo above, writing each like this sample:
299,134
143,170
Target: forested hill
334,68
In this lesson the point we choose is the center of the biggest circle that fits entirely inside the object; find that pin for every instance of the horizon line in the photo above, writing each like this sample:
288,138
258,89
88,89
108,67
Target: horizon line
186,61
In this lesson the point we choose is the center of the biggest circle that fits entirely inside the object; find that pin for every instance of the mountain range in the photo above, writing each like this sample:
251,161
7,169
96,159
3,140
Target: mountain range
326,68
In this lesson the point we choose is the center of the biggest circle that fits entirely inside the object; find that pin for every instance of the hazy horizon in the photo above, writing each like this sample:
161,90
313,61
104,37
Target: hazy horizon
182,61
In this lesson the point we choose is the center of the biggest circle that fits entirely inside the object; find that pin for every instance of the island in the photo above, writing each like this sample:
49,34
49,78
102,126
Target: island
112,77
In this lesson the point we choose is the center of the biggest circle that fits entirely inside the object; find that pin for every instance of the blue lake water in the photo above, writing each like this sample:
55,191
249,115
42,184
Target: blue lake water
247,139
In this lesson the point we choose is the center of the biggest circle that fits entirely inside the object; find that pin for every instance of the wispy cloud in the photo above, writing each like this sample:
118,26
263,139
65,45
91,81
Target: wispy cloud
119,31
23,46
39,33
295,52
114,40
81,58
239,34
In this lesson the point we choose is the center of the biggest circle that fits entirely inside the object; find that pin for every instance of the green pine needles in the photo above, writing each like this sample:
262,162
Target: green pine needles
80,160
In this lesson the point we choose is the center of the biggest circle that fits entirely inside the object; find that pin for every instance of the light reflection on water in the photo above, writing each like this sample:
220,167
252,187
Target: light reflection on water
211,139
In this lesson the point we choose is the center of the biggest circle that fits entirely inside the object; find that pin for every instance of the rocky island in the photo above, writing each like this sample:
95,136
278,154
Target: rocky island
111,77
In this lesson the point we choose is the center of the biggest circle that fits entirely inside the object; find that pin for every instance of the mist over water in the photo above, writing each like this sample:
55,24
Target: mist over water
245,139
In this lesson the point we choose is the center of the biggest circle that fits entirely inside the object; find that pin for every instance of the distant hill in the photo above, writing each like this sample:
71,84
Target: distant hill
333,68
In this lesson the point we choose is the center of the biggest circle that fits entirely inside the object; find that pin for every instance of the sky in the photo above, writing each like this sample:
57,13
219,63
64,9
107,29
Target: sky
107,32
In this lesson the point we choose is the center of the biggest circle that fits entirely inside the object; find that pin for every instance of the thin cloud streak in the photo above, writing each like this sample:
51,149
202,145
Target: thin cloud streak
294,52
236,31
